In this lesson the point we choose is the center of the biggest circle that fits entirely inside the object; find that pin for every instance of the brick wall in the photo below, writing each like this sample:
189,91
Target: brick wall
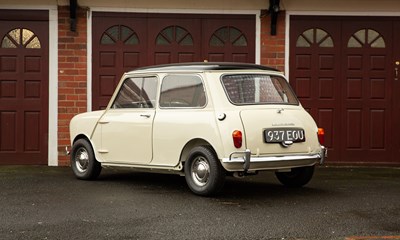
72,77
273,47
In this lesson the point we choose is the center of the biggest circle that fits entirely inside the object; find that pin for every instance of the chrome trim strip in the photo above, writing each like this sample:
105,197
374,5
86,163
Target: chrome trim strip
269,159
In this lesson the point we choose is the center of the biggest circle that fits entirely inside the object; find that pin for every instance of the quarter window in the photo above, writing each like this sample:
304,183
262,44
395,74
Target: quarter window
184,91
258,89
138,92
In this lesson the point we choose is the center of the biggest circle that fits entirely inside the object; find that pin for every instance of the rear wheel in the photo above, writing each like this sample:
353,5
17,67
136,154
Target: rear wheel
83,163
203,172
298,177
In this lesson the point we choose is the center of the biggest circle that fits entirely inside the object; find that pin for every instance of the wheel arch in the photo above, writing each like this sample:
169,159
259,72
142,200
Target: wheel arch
192,144
85,137
81,136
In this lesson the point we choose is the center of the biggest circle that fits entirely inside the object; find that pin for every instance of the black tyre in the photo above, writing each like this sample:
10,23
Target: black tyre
203,172
83,163
298,177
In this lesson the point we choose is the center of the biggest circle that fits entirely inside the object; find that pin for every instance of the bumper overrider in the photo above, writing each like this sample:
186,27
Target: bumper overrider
250,162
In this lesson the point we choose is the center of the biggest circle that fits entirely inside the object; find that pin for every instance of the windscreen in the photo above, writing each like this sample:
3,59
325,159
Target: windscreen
245,89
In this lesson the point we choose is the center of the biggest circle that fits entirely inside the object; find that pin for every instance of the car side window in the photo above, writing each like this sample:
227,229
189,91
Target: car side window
182,91
137,92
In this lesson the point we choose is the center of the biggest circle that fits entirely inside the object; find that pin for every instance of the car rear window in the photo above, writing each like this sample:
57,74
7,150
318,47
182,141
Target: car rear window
258,89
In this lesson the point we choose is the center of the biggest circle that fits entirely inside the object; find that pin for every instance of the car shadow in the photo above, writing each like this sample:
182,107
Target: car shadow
254,187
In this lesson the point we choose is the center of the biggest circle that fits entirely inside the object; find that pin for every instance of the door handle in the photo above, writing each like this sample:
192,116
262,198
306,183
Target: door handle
396,73
145,115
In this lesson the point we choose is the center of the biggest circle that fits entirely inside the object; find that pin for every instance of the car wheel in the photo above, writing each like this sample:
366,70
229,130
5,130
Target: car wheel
83,163
298,177
203,172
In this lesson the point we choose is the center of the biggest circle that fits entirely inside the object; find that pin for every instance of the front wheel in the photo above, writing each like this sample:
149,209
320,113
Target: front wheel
298,177
83,162
203,172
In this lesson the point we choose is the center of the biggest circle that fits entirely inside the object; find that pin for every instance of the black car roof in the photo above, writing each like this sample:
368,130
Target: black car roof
206,66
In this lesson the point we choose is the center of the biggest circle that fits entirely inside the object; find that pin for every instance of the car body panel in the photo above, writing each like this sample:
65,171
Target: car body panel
126,136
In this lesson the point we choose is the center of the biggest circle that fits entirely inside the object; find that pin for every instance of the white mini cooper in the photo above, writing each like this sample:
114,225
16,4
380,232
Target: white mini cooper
201,120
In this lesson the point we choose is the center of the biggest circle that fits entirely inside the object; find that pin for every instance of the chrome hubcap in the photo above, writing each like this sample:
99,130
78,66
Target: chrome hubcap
82,159
200,171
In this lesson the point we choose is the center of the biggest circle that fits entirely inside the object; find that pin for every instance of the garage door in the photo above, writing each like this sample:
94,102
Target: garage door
343,70
123,42
23,87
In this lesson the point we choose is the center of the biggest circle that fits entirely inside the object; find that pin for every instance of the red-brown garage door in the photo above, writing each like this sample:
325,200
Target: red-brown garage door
343,70
23,87
125,41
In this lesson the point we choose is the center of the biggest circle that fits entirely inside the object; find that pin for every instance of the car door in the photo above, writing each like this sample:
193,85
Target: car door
126,128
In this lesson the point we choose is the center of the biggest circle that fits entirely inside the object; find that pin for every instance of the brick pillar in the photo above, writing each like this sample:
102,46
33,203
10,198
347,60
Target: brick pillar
72,76
273,47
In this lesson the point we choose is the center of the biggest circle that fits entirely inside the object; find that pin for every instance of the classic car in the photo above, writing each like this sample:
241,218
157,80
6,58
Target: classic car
204,121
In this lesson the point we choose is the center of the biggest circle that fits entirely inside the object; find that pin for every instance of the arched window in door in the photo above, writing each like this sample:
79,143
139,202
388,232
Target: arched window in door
175,34
366,37
314,36
20,38
228,35
119,33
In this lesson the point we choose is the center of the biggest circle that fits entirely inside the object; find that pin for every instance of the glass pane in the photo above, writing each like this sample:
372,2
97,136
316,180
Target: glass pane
309,35
26,36
168,33
258,89
302,42
327,42
223,34
353,43
125,33
372,35
7,43
133,40
16,35
35,43
320,34
129,94
114,33
161,40
240,42
378,43
234,34
360,35
187,41
182,91
149,92
216,42
180,33
105,39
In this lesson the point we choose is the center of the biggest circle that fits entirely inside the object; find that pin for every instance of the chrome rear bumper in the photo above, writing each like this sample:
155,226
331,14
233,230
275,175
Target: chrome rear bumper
274,162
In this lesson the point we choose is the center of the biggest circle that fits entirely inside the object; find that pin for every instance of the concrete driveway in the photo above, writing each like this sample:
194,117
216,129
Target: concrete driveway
39,202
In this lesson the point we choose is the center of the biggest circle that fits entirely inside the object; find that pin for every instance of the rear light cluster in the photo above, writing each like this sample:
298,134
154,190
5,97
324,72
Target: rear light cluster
321,136
237,138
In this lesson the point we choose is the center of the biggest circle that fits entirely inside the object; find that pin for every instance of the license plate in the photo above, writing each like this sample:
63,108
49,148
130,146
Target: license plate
278,135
